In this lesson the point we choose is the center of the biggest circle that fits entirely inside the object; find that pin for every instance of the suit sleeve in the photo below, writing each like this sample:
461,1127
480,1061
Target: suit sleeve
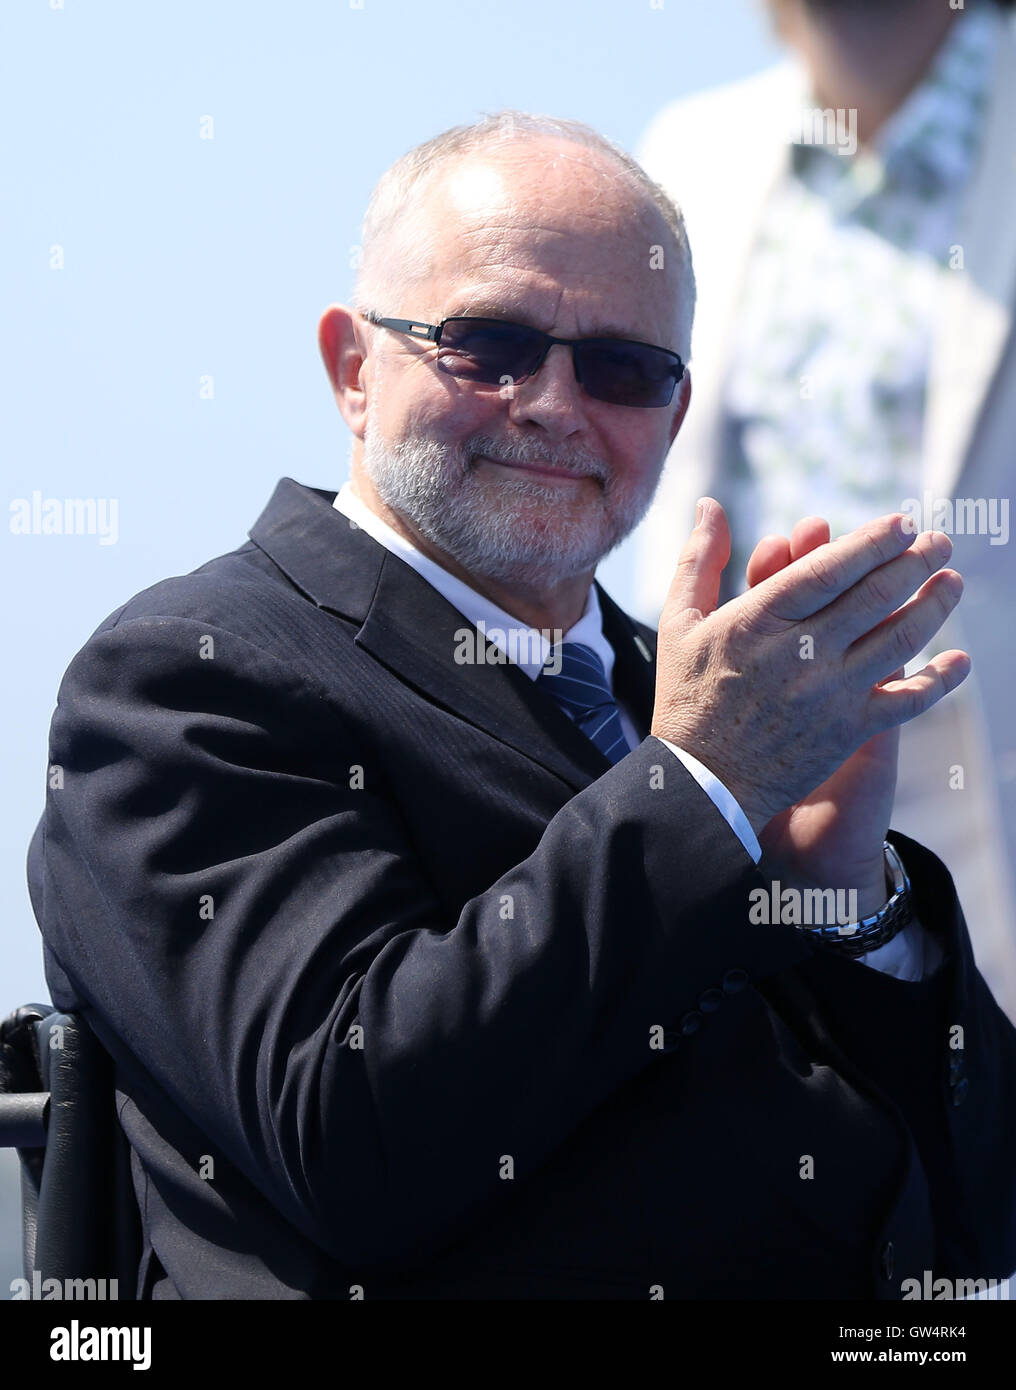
943,1052
228,883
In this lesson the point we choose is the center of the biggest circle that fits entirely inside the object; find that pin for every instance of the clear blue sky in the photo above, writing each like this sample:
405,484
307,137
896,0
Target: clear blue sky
185,257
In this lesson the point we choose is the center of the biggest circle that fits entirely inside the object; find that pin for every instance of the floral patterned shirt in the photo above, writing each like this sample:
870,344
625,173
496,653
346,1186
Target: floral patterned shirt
825,392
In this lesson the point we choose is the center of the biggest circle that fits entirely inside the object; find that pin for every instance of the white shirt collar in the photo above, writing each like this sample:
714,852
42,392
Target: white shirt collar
496,623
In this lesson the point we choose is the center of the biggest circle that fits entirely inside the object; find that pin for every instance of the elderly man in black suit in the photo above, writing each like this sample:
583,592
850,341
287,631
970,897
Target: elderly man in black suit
449,939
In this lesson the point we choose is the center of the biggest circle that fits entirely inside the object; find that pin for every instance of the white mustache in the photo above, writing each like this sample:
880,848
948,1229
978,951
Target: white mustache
578,464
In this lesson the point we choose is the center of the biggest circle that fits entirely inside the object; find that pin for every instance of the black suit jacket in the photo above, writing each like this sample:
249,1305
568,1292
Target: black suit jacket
409,991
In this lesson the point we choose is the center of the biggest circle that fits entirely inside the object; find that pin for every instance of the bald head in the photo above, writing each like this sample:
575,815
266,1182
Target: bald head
510,178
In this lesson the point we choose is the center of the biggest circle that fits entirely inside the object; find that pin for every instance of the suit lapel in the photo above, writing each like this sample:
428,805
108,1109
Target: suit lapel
722,248
420,637
976,319
416,633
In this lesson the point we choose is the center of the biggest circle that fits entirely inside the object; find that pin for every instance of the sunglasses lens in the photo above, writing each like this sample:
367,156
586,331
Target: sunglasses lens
627,373
492,352
486,350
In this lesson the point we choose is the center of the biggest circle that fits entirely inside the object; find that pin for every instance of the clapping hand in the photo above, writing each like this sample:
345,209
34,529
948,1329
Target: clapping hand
793,693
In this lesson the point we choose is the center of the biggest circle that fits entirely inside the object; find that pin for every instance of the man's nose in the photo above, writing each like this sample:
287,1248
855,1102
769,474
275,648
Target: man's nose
551,396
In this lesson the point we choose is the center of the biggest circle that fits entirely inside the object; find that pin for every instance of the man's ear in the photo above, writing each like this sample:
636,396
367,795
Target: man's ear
343,343
683,400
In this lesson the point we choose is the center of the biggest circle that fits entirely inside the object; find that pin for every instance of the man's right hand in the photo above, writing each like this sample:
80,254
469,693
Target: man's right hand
776,689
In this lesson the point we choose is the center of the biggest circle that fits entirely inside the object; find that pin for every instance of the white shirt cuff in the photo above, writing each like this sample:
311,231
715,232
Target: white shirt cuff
722,799
911,955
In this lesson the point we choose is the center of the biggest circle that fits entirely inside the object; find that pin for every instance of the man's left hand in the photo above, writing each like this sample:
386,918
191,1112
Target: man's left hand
832,838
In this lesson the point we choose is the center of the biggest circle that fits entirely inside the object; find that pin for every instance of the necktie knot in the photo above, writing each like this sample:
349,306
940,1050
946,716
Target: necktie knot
582,690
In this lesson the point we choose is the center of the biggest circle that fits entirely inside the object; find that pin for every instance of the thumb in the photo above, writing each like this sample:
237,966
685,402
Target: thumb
696,582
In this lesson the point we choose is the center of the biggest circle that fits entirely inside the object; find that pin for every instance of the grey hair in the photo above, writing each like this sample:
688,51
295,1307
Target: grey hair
387,253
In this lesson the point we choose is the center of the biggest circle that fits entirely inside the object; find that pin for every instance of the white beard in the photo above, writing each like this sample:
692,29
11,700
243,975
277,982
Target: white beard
436,487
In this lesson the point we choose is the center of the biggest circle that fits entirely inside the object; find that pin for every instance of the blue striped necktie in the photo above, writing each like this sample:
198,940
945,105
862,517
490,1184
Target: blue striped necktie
582,691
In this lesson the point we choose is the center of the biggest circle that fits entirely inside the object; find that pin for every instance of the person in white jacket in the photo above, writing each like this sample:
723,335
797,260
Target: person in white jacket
853,218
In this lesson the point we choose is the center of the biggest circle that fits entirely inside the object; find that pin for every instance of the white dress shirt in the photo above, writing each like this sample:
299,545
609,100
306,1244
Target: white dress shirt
903,957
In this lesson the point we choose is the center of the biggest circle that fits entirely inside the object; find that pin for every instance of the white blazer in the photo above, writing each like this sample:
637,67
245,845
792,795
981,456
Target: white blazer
720,154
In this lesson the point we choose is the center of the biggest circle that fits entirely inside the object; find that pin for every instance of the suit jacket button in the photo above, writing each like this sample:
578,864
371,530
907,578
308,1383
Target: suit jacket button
710,1000
691,1022
959,1091
734,980
887,1260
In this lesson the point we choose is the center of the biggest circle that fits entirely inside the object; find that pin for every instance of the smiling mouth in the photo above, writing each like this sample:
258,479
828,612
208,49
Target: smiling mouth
538,468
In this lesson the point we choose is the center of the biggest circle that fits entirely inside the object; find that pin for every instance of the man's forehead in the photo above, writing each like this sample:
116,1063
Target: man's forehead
491,237
540,305
477,189
550,192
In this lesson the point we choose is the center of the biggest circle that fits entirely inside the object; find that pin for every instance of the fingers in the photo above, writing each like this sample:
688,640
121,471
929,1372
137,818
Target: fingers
817,579
809,533
696,582
897,675
899,638
884,590
898,701
771,555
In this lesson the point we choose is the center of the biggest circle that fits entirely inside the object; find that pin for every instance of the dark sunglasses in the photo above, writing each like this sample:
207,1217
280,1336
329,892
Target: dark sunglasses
489,351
